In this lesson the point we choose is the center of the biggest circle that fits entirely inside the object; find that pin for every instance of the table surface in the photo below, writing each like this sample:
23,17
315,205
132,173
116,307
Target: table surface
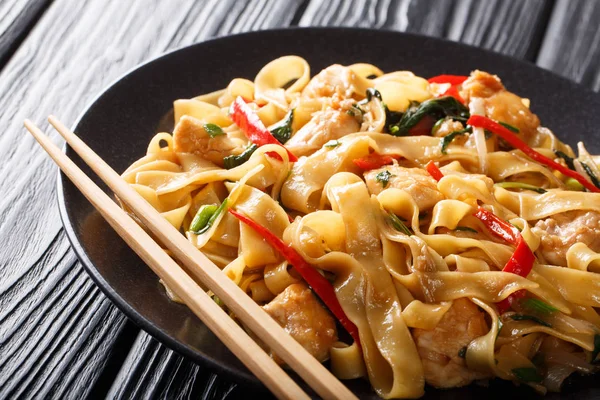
60,337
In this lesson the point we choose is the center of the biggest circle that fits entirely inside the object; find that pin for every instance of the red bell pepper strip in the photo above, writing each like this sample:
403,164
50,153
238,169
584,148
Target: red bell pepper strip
374,161
434,171
520,262
451,79
497,226
252,126
319,284
512,139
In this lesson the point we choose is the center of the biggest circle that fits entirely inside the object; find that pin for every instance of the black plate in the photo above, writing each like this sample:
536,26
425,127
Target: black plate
120,122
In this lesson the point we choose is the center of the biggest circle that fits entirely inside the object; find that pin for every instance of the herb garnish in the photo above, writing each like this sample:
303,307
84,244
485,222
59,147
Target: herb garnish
213,130
332,144
465,229
398,224
384,177
591,174
206,217
522,317
234,161
437,108
527,374
446,140
282,131
538,306
520,185
509,127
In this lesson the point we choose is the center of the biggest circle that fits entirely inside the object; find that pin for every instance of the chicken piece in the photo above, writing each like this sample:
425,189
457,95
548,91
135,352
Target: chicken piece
324,126
189,136
447,127
334,81
414,181
439,348
500,104
298,311
559,232
481,84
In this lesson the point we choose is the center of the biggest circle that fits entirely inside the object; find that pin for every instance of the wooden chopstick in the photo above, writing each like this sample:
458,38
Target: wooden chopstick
230,333
259,322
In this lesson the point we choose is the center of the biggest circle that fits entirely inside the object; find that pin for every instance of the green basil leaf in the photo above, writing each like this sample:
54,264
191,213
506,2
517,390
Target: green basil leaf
398,224
509,127
282,131
235,161
213,130
522,317
537,306
446,140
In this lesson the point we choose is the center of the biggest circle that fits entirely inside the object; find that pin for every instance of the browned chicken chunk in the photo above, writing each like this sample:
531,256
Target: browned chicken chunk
500,104
440,348
561,231
298,311
334,81
414,181
324,126
189,136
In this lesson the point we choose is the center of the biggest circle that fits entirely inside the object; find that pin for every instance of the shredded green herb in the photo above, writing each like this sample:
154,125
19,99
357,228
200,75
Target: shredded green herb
520,185
591,174
465,229
500,325
213,130
384,177
234,161
282,131
522,317
332,144
527,374
437,125
446,140
538,306
568,160
398,224
509,127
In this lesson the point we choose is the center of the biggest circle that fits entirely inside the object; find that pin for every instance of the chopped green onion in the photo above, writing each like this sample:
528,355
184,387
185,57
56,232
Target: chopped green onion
527,374
398,224
520,185
573,184
235,161
213,130
332,144
212,217
218,301
282,131
465,229
509,127
202,216
538,306
384,177
521,317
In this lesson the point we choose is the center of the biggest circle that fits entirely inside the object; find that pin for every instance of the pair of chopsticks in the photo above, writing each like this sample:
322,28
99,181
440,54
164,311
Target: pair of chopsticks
230,333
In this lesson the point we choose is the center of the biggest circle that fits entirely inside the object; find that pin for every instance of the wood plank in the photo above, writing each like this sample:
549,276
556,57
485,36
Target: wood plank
509,27
17,17
59,335
571,46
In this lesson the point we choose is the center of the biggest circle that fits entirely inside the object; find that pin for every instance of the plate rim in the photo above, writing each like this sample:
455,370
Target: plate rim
244,377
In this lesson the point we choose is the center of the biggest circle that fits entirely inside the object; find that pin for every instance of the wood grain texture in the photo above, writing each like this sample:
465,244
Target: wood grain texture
57,331
17,17
510,27
571,46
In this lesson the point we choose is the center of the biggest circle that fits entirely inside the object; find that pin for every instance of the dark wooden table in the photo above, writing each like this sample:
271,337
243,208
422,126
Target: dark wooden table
60,337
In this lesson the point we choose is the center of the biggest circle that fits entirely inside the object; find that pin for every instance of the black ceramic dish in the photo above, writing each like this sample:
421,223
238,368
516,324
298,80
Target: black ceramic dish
120,122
